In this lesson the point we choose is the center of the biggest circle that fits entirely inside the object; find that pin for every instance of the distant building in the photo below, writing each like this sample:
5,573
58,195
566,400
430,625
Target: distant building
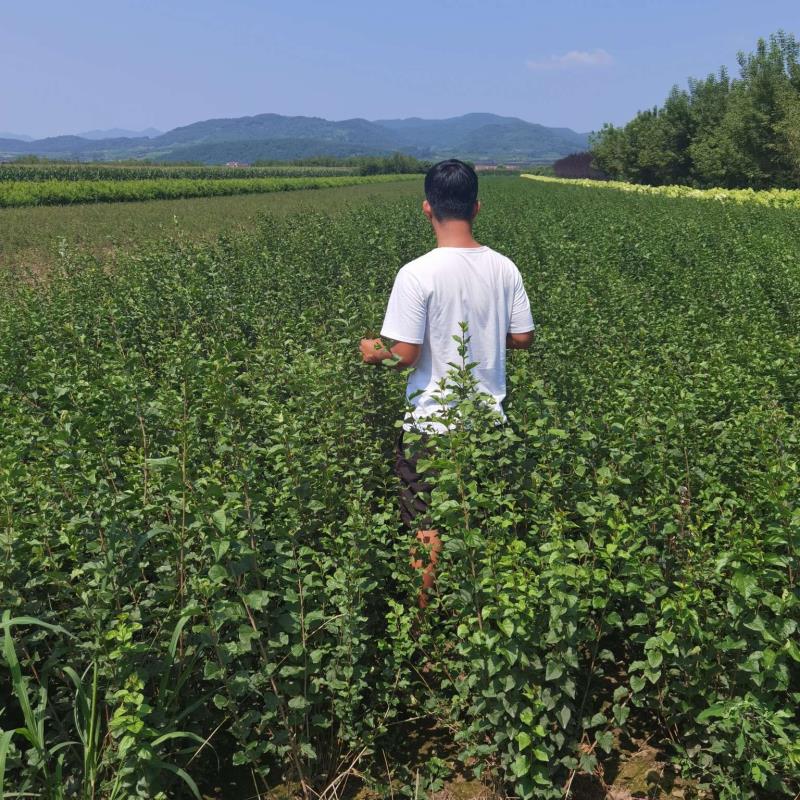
506,167
578,165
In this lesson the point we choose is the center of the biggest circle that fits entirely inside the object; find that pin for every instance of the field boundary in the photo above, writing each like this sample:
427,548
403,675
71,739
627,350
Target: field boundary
773,198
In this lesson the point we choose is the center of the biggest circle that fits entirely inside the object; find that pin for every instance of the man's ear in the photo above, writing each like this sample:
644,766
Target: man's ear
427,210
476,209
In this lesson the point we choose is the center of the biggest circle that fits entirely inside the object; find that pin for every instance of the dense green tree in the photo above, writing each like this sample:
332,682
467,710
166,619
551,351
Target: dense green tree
788,133
394,164
610,150
709,151
728,132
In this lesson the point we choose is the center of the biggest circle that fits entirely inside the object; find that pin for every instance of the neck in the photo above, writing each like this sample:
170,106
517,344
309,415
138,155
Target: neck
454,233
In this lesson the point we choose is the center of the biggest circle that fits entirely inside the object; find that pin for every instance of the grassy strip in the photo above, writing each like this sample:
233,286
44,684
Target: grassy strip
32,193
773,198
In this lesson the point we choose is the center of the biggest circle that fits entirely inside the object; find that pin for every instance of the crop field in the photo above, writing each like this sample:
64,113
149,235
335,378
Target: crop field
128,172
205,587
31,237
65,192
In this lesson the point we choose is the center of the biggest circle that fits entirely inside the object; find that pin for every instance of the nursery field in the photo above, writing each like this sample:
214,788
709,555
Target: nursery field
18,193
129,172
205,588
31,237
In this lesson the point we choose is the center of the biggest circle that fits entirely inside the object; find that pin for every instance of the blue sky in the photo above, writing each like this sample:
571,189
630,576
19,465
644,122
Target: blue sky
73,66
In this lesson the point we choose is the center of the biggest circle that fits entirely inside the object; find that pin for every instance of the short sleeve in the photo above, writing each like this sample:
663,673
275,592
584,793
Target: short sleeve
520,320
407,311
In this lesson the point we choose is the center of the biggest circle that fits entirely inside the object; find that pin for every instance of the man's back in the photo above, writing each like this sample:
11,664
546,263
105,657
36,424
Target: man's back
433,294
460,281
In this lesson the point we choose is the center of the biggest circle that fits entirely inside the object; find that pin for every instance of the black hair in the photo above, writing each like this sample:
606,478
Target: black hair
451,188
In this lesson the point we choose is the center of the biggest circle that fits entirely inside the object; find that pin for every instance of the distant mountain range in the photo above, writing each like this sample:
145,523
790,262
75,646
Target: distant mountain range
120,133
479,137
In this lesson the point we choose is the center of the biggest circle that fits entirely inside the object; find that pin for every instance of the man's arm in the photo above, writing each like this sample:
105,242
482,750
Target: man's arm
519,341
520,325
403,354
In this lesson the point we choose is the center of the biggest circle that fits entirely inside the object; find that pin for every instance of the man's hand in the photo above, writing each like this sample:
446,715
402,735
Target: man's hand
401,354
373,351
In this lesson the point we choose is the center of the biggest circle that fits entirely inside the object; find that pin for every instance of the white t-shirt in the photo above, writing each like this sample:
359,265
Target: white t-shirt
431,296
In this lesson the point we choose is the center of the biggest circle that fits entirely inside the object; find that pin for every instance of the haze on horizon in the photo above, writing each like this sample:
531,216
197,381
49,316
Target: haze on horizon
575,64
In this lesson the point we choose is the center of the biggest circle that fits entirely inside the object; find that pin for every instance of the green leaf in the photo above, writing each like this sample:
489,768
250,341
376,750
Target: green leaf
585,509
166,462
620,692
182,774
554,671
176,635
712,712
257,599
653,675
637,683
521,765
5,744
220,520
792,649
621,713
172,735
540,754
605,740
654,658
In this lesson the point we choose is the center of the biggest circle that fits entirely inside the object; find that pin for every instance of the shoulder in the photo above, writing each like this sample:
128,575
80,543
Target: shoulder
420,263
419,270
409,282
506,265
504,259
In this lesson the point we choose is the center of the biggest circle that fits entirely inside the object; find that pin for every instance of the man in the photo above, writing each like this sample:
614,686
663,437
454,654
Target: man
459,281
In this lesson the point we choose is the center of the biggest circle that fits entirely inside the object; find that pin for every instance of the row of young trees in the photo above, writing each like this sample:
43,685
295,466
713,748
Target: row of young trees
394,164
721,131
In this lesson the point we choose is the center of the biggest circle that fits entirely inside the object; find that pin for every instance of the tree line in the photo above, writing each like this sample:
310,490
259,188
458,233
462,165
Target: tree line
394,164
733,132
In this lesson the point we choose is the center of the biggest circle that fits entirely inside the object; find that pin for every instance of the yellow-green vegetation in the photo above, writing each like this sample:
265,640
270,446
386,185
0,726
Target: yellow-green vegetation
203,566
773,198
64,192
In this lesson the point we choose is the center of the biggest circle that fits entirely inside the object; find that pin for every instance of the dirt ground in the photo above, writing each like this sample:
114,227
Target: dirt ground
633,771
